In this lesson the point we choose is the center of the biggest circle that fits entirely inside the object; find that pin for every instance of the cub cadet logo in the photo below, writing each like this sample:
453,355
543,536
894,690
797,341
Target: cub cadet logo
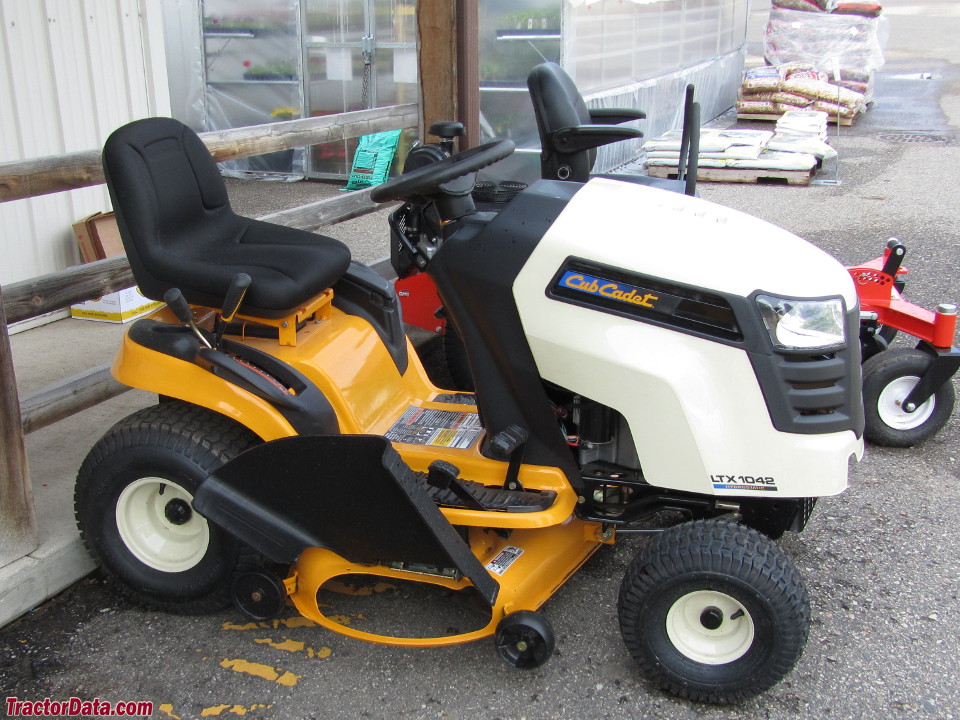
608,289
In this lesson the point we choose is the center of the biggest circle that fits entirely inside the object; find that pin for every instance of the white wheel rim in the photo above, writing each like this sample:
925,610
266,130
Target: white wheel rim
726,636
890,405
143,511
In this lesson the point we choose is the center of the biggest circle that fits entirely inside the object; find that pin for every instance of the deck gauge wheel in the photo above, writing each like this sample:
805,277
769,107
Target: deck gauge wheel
258,594
525,640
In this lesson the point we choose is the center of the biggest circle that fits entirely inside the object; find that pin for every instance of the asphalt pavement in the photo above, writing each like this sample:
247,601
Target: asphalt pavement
881,561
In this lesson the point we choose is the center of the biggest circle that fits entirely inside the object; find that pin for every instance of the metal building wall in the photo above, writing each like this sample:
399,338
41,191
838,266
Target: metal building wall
70,72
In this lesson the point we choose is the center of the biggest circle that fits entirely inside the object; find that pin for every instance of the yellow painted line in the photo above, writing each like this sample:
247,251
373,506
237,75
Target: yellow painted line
294,622
288,644
167,709
214,710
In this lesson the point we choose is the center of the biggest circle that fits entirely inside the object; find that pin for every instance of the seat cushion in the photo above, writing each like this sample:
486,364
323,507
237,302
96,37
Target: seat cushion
287,266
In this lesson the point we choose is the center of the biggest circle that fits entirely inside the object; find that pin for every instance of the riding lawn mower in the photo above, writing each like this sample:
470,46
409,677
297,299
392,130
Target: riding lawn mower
636,354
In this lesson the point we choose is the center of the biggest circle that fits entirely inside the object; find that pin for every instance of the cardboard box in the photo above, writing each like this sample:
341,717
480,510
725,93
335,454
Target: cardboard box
98,237
88,252
119,307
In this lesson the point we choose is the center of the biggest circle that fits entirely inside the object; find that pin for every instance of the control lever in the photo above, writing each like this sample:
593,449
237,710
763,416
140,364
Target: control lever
895,258
181,308
509,444
235,294
231,304
448,132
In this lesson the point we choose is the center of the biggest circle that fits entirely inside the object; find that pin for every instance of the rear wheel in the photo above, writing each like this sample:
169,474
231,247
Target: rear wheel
133,502
888,379
713,611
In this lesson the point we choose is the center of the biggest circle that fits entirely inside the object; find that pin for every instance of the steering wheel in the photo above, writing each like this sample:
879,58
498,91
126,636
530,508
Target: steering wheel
427,180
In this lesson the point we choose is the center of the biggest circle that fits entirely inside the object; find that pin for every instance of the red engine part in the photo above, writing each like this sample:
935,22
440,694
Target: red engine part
418,296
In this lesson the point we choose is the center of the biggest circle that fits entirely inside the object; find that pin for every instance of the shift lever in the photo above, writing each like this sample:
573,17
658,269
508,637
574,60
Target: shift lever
235,294
181,308
231,304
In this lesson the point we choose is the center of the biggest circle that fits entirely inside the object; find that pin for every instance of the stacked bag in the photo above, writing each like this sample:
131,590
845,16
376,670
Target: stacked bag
798,144
776,89
820,54
802,131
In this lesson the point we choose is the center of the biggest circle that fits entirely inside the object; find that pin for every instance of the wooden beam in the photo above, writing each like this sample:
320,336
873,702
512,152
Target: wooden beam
327,212
18,524
38,296
260,139
30,298
63,399
45,175
437,58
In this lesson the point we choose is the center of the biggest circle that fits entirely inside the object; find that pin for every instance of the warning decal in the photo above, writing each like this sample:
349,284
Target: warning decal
504,559
440,428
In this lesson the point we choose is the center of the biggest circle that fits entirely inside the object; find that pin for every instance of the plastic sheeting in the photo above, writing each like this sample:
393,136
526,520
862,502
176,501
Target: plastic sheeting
621,54
716,81
611,43
829,41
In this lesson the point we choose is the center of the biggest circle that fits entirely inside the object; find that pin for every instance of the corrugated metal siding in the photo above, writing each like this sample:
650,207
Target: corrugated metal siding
70,72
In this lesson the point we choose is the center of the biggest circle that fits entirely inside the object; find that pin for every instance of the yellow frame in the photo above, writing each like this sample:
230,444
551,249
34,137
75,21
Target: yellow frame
344,357
550,556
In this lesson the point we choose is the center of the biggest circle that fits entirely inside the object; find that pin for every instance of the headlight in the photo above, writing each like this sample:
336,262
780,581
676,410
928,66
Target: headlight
802,324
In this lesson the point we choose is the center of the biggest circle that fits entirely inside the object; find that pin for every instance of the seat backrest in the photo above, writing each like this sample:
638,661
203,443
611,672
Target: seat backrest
166,191
557,105
179,230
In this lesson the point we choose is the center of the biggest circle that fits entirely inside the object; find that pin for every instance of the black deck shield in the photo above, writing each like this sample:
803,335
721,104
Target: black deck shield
351,494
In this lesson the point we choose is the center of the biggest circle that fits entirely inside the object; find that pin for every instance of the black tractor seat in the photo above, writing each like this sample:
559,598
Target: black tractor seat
570,132
179,230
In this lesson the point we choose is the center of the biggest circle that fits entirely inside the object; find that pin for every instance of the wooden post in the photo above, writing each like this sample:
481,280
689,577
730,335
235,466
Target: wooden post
18,525
437,62
468,71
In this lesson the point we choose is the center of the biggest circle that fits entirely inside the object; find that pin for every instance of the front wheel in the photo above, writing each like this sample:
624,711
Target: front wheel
888,379
713,611
133,502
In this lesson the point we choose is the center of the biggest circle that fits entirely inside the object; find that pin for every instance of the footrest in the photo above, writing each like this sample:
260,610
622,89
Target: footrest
492,498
